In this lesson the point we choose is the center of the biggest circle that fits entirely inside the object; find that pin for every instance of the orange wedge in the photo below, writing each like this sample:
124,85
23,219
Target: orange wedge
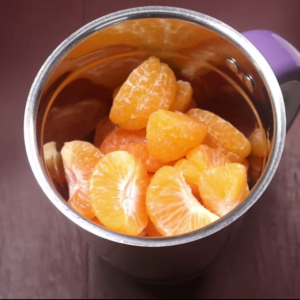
117,192
134,142
222,188
79,159
170,135
171,205
183,96
149,87
258,143
120,137
55,167
204,157
226,134
213,143
190,173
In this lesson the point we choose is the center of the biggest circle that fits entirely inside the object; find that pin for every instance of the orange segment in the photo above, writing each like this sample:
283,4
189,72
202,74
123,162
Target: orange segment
55,167
105,126
150,176
79,159
170,135
134,142
183,96
149,87
191,105
120,137
152,164
258,143
204,157
190,173
222,188
151,230
223,132
141,152
96,221
213,143
117,191
138,150
171,205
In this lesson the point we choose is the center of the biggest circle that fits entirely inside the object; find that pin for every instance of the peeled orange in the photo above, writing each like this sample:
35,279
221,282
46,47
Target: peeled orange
222,188
134,142
149,87
183,96
190,173
117,193
79,159
171,205
204,157
221,130
170,135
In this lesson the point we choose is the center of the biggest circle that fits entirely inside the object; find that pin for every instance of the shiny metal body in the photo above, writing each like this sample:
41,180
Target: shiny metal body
232,65
249,82
97,58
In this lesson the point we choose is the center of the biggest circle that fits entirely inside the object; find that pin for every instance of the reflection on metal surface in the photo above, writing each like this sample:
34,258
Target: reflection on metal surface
249,82
232,65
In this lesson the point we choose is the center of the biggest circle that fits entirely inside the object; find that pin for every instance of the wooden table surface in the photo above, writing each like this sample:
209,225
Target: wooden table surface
42,254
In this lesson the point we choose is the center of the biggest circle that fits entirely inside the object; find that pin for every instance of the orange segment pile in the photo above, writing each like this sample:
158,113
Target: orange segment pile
159,166
117,192
79,159
149,87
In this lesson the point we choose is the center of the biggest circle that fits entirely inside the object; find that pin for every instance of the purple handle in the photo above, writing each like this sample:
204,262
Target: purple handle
284,60
283,57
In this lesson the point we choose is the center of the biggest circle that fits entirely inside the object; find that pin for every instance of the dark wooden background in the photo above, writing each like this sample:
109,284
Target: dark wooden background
42,254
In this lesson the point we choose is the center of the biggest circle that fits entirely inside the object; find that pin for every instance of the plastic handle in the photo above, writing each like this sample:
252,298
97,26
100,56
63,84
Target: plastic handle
284,60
